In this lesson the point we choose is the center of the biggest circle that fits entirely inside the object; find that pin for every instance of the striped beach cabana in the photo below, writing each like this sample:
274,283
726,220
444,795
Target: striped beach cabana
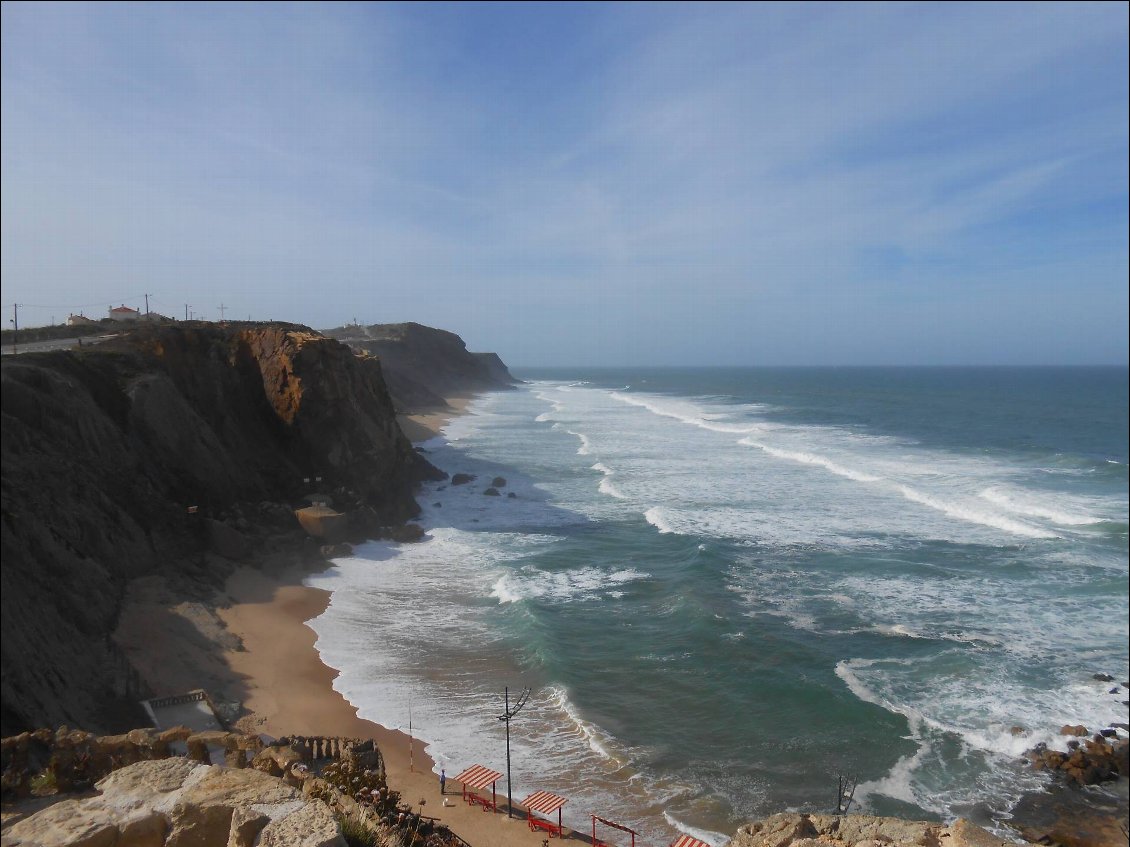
478,777
688,841
544,803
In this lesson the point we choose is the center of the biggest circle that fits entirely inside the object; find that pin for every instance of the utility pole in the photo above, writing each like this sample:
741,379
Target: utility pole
505,717
222,307
15,326
186,311
147,304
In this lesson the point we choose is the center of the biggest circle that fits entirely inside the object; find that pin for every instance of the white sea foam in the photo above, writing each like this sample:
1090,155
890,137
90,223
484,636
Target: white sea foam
1022,503
715,839
562,586
657,517
544,417
597,740
684,412
606,487
586,444
967,512
812,459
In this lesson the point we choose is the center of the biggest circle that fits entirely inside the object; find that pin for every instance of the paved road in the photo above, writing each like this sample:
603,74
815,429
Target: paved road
56,344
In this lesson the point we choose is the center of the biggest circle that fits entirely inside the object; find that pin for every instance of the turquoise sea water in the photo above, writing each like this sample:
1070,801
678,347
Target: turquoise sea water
727,586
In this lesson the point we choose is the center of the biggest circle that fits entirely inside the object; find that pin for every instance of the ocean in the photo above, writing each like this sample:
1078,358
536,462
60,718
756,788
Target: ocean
728,588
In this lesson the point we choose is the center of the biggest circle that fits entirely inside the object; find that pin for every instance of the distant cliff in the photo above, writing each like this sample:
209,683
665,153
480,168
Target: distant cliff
423,365
105,452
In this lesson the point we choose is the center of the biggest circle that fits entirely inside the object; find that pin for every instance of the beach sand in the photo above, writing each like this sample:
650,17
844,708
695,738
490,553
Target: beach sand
253,646
424,425
290,692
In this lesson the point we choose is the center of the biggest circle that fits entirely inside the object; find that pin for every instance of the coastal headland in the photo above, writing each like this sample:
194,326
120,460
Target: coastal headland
150,545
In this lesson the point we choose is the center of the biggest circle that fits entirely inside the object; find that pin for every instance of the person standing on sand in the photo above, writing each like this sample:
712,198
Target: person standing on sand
442,781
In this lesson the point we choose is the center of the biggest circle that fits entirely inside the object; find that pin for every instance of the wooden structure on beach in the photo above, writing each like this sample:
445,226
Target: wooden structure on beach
544,803
478,777
597,842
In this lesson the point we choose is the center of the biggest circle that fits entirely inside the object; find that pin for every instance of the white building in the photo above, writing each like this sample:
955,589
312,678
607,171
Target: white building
124,313
78,320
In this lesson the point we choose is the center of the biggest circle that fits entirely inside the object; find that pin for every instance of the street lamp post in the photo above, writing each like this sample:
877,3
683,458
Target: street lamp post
505,718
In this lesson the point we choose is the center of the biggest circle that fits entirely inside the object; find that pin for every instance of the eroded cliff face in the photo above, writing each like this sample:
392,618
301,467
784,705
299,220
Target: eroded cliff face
423,365
105,451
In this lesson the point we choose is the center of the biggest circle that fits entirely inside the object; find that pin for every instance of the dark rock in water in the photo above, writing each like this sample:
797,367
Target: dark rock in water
1076,730
1103,677
512,495
462,478
331,551
1114,691
498,482
438,504
1017,730
1108,733
492,492
406,534
1120,725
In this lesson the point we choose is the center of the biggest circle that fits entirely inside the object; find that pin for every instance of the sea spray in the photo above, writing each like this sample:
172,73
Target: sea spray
890,589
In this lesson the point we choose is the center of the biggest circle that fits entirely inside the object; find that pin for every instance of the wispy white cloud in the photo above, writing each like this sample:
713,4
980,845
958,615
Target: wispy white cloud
539,175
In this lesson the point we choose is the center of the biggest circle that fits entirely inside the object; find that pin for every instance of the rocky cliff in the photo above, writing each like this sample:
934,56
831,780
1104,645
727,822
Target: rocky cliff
424,365
174,451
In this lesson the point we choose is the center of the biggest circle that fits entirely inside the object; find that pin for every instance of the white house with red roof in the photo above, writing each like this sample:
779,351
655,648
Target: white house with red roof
124,313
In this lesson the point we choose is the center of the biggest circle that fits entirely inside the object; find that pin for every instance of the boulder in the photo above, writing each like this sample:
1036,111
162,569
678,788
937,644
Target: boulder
408,533
65,824
462,478
492,492
180,803
311,825
800,830
1076,730
498,482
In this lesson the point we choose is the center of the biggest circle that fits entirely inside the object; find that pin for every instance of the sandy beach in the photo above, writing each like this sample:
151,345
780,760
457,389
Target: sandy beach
290,692
427,424
254,647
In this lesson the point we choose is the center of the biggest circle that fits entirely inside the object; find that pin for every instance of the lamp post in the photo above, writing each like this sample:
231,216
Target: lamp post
505,718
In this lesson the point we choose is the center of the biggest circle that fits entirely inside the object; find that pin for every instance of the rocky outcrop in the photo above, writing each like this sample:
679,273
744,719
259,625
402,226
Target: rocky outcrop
423,365
799,830
181,803
1089,762
174,451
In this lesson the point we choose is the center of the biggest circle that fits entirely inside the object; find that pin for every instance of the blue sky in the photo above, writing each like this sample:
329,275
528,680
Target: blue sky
584,184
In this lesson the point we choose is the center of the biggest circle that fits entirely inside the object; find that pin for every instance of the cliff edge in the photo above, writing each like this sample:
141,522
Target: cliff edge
423,365
174,451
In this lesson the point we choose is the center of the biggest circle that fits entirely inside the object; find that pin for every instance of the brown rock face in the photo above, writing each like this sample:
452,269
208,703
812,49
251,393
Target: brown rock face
798,830
178,803
424,365
170,451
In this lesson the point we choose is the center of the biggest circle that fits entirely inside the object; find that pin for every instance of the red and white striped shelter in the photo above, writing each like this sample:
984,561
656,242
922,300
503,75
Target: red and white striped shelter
477,778
546,804
614,825
688,841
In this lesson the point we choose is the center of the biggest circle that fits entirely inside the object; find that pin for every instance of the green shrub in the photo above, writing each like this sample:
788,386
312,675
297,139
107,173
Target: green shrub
357,833
44,783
